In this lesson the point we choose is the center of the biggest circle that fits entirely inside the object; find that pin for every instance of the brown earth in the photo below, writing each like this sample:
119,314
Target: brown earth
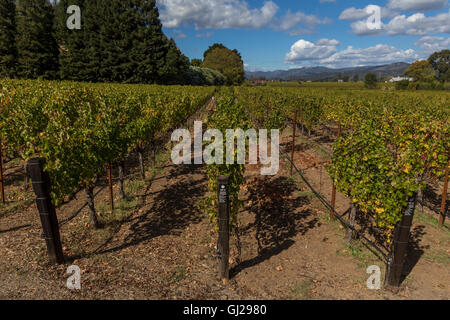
158,244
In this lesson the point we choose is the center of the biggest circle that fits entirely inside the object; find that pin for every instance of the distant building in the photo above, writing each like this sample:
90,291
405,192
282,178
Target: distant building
259,82
397,79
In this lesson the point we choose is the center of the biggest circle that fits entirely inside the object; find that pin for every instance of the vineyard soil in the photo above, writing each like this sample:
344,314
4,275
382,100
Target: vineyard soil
159,245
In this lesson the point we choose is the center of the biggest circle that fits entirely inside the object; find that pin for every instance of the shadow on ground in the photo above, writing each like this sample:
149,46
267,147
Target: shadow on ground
173,208
277,220
415,250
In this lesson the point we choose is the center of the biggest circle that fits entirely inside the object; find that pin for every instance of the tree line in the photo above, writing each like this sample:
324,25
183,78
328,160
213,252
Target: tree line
119,41
433,73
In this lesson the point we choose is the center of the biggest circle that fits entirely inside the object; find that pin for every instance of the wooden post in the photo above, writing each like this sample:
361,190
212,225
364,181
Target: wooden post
333,191
2,186
223,244
444,198
400,245
41,186
110,184
293,141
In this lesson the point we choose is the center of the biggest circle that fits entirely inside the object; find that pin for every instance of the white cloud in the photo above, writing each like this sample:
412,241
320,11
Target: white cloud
215,14
204,35
299,23
327,42
290,20
416,25
430,44
304,50
354,14
234,14
325,52
379,54
179,34
417,5
361,28
419,24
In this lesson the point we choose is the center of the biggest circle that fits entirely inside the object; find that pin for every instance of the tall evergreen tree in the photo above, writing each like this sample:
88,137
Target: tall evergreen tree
119,41
134,48
93,18
113,41
36,45
73,57
150,45
80,51
8,51
175,65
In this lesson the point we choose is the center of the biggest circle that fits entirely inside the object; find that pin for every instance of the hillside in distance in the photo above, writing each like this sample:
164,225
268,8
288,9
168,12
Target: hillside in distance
324,73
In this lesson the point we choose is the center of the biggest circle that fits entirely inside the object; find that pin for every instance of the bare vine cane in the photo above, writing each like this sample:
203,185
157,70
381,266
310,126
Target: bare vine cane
110,186
444,198
121,180
2,181
140,152
333,191
90,200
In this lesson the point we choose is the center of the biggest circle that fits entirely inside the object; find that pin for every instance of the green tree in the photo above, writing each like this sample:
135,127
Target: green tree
76,51
36,44
211,48
133,47
196,62
8,51
175,65
440,62
152,48
370,80
356,78
420,71
226,61
116,34
120,41
197,76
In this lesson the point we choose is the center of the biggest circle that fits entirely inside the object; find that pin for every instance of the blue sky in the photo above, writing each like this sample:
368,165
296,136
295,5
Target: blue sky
283,34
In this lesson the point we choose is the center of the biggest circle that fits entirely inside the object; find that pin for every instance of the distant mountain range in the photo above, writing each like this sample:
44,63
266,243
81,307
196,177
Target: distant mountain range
324,73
